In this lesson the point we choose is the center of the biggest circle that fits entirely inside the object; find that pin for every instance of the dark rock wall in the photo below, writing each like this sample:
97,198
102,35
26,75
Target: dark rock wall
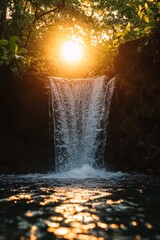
134,128
24,119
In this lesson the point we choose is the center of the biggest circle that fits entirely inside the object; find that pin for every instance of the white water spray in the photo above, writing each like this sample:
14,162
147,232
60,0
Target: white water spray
79,112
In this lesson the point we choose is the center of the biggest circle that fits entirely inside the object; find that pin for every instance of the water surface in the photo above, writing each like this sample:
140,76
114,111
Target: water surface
89,206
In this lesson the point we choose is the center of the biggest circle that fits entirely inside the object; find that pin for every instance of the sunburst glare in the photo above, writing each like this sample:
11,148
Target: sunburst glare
71,51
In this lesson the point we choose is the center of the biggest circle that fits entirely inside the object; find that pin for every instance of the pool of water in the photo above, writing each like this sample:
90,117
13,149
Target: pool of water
115,206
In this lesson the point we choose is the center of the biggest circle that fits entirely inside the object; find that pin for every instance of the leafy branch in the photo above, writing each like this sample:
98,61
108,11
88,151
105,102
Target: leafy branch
41,15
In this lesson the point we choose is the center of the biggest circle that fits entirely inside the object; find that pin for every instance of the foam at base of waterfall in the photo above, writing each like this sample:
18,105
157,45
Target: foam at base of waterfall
87,171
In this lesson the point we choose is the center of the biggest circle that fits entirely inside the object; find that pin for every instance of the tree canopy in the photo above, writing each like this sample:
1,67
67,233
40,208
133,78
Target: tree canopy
35,28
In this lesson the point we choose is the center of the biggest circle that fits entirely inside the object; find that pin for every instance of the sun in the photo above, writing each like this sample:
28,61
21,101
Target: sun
71,51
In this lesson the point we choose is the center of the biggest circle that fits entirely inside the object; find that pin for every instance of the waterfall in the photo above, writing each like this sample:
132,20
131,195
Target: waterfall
79,113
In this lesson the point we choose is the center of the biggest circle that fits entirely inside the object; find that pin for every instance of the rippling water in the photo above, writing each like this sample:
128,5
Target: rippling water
89,206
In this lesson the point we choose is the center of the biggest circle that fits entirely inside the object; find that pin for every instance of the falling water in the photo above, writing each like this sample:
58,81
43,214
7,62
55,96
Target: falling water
79,113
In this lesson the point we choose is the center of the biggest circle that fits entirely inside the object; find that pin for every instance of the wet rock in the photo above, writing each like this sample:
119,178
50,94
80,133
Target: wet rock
134,126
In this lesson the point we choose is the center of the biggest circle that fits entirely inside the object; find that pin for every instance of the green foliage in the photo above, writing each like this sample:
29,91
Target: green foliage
127,19
3,42
13,47
11,54
33,24
122,19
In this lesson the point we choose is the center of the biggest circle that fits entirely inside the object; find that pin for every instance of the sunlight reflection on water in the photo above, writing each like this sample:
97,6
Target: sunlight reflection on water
124,208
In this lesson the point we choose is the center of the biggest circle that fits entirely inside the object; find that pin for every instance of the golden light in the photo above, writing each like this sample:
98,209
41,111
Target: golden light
71,51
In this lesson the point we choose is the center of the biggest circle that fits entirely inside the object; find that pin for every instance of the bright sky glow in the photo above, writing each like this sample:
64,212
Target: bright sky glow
71,51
